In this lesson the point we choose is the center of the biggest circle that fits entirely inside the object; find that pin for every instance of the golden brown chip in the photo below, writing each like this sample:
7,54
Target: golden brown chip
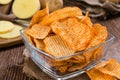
88,55
112,68
76,34
62,68
101,64
77,59
100,37
55,63
38,16
39,43
93,54
97,54
29,38
57,47
95,74
72,60
39,32
77,66
61,14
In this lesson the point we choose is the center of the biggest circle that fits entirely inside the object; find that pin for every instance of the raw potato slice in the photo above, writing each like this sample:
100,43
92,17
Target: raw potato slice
14,33
5,1
5,26
24,9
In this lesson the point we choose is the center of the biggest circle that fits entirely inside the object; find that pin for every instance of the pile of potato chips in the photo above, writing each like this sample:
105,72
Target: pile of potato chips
66,32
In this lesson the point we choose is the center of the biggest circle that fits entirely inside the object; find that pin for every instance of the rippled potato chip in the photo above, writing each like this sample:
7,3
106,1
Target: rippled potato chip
111,68
77,66
57,47
95,74
97,54
76,59
62,68
100,37
39,43
88,55
39,32
61,14
76,34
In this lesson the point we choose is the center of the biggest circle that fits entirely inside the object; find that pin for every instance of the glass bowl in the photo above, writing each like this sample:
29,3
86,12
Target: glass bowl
66,67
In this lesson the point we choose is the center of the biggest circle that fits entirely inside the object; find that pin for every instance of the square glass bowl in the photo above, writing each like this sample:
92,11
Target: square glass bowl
65,67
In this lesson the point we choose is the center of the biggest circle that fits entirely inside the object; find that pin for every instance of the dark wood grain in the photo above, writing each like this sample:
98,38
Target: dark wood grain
5,9
11,58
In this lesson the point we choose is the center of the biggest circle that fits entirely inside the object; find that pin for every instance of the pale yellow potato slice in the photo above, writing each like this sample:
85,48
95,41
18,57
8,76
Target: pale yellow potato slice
24,9
14,33
5,26
5,1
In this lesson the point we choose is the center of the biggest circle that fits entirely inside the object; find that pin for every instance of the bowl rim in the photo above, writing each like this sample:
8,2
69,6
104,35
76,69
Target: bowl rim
112,37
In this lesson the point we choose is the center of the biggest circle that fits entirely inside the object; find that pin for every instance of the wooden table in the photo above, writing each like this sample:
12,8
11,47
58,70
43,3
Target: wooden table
11,58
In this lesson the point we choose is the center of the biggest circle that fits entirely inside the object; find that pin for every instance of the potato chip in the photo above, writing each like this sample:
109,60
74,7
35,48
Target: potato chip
39,32
76,34
29,38
55,63
77,66
95,74
62,68
101,64
112,68
39,43
97,54
61,14
72,60
88,55
76,59
57,47
101,35
38,16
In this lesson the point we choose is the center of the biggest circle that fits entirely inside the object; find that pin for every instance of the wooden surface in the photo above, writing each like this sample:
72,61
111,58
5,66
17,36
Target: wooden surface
10,42
11,58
